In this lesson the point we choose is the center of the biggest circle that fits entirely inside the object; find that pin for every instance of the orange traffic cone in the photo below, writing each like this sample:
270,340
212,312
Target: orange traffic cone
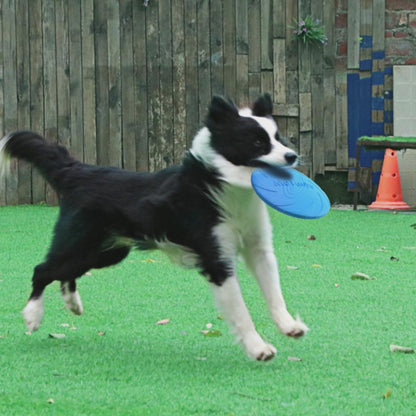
389,194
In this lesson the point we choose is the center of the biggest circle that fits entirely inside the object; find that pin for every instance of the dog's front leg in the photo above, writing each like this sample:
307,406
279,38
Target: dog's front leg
261,260
231,304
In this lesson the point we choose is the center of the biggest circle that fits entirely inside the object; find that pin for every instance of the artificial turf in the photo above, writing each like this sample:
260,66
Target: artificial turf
115,360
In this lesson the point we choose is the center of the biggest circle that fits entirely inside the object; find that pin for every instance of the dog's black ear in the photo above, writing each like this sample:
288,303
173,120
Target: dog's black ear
263,106
222,110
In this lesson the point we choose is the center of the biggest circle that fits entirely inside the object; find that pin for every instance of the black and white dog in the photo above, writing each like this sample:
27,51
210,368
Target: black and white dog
203,213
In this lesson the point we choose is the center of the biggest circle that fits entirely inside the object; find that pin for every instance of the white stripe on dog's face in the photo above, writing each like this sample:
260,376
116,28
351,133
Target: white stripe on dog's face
277,155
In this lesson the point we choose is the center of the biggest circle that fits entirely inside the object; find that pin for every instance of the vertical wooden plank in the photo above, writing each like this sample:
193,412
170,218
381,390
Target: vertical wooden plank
266,17
291,42
378,24
75,71
341,119
318,140
179,93
242,98
266,82
114,84
10,90
279,70
217,53
254,36
366,35
153,87
36,88
140,90
254,86
229,10
63,71
128,125
353,37
88,81
204,57
329,116
23,94
49,76
2,177
329,24
317,52
101,81
191,70
279,19
166,99
241,22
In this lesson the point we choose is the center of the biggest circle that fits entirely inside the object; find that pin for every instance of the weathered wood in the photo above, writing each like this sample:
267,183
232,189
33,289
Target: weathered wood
88,81
242,81
286,110
241,23
279,70
254,36
140,90
128,119
23,95
114,84
266,16
353,57
279,19
305,111
75,78
341,116
179,84
317,97
329,117
166,99
217,52
36,88
229,33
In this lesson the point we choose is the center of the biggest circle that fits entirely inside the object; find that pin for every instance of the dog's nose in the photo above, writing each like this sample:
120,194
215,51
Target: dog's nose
291,158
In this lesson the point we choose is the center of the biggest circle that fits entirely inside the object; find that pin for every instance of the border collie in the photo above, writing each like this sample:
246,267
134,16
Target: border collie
203,214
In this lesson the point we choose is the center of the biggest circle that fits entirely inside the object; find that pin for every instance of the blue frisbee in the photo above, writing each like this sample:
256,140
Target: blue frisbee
292,194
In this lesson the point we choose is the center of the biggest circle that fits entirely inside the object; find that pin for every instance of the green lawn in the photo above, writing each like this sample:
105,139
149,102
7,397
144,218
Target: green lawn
115,360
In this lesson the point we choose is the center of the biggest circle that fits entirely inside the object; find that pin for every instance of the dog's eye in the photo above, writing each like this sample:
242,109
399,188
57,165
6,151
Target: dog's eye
258,143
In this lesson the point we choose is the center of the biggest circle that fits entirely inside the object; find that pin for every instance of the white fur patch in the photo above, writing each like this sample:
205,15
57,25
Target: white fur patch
72,300
4,158
33,313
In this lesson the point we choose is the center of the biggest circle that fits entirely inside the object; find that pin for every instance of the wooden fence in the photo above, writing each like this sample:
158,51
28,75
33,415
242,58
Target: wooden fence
126,85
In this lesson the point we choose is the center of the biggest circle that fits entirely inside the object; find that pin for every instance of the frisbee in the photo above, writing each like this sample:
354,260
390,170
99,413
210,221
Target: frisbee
293,194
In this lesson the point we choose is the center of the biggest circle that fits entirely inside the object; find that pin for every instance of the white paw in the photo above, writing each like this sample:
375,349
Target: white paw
73,302
33,314
257,349
293,328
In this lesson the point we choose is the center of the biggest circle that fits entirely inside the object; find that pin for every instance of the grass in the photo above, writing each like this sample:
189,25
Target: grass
115,360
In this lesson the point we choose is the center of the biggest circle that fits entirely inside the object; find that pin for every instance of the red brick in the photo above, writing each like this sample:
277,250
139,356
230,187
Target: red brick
341,20
342,48
401,35
400,47
411,61
412,19
388,34
400,5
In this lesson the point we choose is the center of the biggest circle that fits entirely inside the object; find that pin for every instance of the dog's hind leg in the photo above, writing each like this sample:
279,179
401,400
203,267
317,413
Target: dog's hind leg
71,297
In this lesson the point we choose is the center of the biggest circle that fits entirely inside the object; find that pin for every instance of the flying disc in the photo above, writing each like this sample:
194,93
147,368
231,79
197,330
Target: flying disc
294,194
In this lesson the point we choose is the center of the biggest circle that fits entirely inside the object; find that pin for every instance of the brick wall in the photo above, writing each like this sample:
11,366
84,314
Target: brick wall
400,32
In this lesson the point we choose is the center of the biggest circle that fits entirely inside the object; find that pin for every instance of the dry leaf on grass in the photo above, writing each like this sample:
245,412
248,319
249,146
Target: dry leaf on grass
57,336
294,358
311,237
362,276
387,394
163,321
399,348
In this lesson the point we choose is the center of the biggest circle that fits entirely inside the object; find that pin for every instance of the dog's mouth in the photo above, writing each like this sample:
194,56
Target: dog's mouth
273,169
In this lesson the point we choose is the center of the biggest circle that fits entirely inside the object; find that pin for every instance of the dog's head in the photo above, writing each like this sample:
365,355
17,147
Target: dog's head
237,141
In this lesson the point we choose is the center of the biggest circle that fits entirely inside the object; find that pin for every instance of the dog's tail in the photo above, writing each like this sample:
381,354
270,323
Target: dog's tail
50,159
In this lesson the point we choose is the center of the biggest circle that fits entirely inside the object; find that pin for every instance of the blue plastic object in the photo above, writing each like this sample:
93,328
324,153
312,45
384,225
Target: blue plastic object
294,194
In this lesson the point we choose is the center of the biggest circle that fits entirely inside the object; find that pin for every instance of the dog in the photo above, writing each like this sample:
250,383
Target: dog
203,213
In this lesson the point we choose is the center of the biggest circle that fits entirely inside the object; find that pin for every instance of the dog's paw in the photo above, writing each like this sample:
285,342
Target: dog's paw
33,314
294,328
257,349
73,302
